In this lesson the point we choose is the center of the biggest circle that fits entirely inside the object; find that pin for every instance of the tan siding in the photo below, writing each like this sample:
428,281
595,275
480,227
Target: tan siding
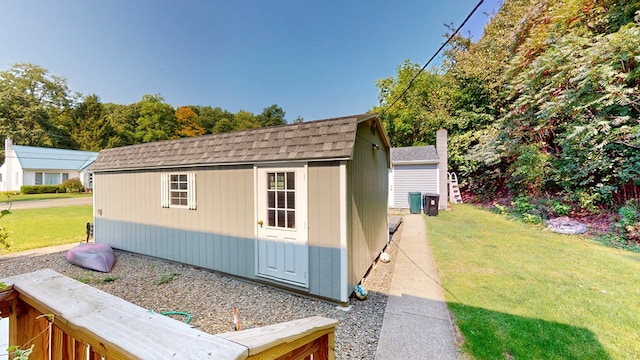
368,186
324,229
224,200
324,204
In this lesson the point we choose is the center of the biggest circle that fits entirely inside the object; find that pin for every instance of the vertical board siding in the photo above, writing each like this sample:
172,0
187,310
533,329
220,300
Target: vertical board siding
413,178
368,189
324,229
206,236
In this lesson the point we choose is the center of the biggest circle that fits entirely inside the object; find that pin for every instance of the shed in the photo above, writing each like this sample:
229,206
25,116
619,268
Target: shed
420,169
300,206
31,165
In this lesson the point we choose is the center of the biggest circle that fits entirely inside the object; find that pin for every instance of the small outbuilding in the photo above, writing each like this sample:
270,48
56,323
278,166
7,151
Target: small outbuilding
300,206
420,169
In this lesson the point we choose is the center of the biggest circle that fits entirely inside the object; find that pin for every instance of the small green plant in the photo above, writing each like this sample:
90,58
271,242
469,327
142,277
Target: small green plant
502,210
84,279
165,278
20,353
560,209
109,279
588,201
628,227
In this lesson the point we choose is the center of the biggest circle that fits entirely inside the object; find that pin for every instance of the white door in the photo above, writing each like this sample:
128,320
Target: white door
282,251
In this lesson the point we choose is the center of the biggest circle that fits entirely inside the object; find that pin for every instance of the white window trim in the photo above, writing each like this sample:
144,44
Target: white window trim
165,190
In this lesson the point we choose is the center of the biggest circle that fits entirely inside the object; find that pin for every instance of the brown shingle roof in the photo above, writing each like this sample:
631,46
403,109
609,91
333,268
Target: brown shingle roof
315,140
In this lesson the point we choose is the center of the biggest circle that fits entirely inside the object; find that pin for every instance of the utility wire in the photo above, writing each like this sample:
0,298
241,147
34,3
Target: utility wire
433,57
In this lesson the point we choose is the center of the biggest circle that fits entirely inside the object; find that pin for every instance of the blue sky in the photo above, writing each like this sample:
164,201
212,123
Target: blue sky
316,59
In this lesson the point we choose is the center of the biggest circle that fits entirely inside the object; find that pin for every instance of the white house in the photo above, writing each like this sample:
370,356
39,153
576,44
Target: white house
420,169
29,165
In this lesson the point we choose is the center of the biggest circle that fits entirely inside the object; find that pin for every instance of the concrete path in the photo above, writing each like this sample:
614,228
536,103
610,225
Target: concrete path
33,204
36,252
416,324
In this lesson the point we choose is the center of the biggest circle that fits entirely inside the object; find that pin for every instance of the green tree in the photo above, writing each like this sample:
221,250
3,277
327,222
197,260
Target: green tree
417,113
272,116
90,129
122,119
208,116
31,102
157,119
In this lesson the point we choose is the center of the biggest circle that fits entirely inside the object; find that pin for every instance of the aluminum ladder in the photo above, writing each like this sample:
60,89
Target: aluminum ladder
454,190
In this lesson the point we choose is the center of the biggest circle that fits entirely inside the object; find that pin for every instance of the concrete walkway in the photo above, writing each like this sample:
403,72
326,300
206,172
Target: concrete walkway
36,252
416,324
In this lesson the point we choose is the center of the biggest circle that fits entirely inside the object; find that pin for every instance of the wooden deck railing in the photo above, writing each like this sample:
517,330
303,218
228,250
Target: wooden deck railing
91,324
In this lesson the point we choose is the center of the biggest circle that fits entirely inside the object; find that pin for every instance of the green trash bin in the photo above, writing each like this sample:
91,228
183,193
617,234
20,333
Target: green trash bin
415,199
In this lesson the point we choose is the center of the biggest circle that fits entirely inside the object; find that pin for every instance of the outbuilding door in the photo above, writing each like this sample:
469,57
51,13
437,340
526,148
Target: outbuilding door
282,234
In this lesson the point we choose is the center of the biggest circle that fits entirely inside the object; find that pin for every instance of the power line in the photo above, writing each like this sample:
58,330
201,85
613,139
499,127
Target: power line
433,57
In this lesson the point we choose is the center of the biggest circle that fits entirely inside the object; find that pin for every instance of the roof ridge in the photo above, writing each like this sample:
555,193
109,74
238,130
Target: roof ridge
320,139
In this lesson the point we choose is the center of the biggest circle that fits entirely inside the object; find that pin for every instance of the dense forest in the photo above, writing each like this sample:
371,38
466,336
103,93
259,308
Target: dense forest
38,109
545,105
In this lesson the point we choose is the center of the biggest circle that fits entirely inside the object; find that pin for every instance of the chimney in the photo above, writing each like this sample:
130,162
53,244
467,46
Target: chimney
443,168
8,145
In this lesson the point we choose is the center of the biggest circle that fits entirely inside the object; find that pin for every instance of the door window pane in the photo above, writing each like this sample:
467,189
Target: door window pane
291,219
291,200
291,181
281,219
281,199
280,178
271,199
271,215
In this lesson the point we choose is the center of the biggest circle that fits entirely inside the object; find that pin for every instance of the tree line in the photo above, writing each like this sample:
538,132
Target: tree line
545,104
37,108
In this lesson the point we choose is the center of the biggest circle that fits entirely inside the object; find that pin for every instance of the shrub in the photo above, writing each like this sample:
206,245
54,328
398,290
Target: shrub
39,189
73,185
559,208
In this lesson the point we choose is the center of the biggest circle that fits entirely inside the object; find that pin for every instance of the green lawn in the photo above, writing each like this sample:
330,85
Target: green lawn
522,292
29,197
35,228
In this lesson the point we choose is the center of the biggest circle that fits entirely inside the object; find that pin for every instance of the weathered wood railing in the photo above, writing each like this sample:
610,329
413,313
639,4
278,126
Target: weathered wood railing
91,324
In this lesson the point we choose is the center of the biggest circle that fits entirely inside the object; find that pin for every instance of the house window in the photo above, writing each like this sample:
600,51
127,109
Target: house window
52,178
38,178
65,177
178,190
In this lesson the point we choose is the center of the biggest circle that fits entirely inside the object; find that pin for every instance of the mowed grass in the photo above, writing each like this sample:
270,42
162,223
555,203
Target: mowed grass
522,292
35,228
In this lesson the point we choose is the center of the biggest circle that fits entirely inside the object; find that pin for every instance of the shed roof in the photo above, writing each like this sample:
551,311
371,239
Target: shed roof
314,140
41,158
415,155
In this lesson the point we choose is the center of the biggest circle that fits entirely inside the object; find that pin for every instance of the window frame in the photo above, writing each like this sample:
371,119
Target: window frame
167,191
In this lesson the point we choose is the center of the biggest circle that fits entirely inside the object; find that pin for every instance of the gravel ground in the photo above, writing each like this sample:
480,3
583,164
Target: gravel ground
210,297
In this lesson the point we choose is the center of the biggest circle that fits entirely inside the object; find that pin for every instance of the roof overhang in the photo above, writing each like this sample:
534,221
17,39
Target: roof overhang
220,164
416,162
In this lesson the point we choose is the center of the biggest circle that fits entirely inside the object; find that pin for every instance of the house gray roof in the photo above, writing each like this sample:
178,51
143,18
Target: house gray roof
314,140
40,158
415,154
